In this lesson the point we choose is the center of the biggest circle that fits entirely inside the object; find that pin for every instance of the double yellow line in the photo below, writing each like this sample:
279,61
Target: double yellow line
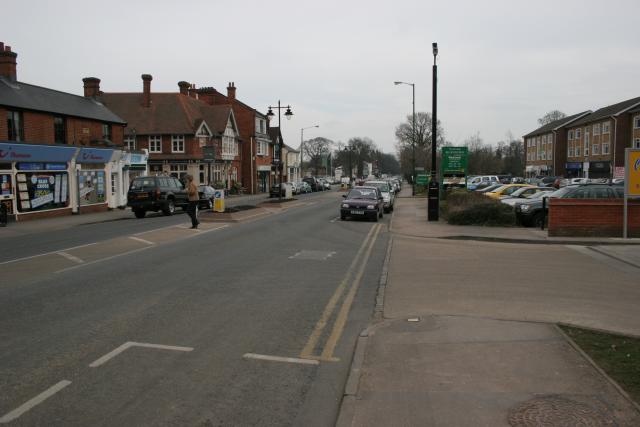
359,263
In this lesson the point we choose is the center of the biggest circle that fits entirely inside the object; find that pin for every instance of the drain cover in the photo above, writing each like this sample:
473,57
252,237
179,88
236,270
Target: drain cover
313,255
557,411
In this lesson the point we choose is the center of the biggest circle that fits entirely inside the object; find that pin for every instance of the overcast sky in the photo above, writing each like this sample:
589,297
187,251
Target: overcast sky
502,64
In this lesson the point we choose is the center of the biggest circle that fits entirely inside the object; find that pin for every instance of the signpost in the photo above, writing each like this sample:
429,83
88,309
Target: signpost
631,182
422,179
454,161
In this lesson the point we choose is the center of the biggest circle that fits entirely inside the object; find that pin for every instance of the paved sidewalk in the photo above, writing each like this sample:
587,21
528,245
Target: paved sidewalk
483,348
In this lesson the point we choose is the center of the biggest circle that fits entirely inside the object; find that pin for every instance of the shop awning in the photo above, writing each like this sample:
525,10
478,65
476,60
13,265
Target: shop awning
22,152
94,155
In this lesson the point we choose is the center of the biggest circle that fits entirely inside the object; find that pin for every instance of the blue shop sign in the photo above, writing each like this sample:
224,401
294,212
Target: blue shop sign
20,152
94,155
573,165
31,166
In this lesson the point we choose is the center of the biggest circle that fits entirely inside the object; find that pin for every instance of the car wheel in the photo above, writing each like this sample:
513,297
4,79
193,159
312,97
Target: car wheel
170,208
537,220
139,213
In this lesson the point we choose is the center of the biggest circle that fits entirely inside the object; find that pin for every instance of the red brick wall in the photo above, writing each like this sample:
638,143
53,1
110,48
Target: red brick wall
592,217
4,131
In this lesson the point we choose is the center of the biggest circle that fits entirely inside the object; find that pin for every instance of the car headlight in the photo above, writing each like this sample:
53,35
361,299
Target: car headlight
525,208
345,205
371,207
386,198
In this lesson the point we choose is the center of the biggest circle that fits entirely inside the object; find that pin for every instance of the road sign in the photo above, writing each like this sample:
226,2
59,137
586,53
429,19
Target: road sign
422,179
218,200
454,160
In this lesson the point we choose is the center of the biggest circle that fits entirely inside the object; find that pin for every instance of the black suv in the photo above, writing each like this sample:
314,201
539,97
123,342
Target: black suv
156,193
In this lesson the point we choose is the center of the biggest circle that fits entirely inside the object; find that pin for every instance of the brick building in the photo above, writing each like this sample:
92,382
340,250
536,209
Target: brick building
545,147
57,150
177,128
635,127
596,143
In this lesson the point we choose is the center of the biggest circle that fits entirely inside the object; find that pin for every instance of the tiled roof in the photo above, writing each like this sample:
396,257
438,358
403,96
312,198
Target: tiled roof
556,124
608,111
169,113
29,97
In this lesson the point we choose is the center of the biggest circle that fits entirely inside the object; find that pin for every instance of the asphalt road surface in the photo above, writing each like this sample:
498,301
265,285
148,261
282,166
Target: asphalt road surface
235,324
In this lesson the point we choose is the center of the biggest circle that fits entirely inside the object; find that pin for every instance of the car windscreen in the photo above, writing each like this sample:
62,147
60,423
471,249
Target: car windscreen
382,186
143,183
362,193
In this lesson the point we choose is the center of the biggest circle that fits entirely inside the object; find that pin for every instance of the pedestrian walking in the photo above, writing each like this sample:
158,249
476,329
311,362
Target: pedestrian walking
192,194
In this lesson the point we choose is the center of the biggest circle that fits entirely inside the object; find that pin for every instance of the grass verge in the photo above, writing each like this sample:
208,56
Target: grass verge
617,355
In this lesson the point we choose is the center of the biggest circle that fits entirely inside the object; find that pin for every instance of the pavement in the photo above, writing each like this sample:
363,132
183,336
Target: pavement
465,329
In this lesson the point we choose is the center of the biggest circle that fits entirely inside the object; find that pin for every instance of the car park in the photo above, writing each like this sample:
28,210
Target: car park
531,212
388,195
504,190
362,202
524,193
156,193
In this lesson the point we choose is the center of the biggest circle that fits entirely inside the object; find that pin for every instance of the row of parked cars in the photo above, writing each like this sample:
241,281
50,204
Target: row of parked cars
370,199
307,185
530,202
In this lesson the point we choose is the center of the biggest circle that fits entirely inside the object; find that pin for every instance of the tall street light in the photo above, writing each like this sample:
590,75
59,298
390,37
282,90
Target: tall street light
349,149
413,137
434,188
279,163
301,145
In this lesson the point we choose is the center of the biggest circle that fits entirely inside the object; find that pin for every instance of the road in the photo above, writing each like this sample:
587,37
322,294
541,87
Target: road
173,326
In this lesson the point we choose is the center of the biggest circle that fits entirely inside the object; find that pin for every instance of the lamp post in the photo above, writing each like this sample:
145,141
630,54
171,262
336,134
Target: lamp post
434,188
413,137
288,115
302,144
349,149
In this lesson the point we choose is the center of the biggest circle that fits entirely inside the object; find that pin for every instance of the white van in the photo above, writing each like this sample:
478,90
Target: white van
473,183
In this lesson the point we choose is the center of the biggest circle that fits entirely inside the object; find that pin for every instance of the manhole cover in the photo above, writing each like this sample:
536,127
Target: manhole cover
313,255
557,411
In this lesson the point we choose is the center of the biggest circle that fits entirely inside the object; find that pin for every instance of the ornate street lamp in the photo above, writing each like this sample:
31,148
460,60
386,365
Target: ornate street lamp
413,137
288,114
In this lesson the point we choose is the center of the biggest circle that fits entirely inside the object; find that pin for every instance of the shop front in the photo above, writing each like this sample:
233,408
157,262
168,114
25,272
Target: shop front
35,179
574,169
599,169
91,178
264,173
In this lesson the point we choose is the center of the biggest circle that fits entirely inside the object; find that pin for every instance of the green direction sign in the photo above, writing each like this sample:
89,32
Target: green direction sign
454,160
422,179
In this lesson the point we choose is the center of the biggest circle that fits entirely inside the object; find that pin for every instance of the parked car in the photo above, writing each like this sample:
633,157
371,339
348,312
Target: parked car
206,193
530,212
325,184
505,190
524,193
313,183
505,179
473,183
156,193
489,188
362,202
303,187
388,195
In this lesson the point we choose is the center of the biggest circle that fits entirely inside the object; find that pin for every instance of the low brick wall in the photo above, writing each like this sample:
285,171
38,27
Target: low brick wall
102,207
592,217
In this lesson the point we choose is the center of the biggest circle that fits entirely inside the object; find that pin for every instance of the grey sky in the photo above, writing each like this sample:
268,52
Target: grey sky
502,64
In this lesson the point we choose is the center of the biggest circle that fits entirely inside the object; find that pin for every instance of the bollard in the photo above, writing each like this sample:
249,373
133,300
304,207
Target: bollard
4,214
544,212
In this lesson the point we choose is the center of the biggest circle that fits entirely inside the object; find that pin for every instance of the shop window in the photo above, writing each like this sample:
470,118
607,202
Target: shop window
130,142
178,170
59,130
605,148
39,190
92,187
15,126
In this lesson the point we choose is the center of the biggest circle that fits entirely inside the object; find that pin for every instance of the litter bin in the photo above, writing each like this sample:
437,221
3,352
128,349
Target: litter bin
4,214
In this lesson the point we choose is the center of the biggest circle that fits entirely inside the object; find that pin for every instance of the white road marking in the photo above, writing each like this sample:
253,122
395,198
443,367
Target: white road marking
46,253
102,259
335,219
33,402
138,239
295,255
104,359
71,257
281,359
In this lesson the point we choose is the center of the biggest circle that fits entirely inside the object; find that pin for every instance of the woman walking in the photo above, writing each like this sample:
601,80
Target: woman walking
192,194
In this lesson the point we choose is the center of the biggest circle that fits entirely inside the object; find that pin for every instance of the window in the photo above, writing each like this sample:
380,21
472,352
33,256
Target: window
15,126
586,142
595,149
596,129
636,143
549,155
106,132
605,128
636,122
59,131
263,148
177,143
178,170
543,155
229,144
570,135
577,133
155,144
570,152
201,170
605,148
578,154
130,142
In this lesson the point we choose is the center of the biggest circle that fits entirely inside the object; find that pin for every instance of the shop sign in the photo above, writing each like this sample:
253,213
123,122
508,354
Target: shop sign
41,166
35,153
632,165
454,160
94,155
573,165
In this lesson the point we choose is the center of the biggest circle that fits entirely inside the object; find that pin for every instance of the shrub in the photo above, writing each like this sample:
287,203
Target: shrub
471,208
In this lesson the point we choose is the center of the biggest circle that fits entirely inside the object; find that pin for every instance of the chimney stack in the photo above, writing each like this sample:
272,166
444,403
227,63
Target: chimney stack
184,87
207,94
146,90
91,87
231,90
8,63
193,91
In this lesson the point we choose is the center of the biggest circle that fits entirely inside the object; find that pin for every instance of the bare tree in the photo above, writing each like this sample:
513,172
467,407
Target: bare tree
404,144
317,149
551,116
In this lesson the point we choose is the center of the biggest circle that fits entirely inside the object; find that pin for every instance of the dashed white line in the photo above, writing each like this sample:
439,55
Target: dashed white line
104,359
138,239
71,257
281,359
46,253
335,219
33,402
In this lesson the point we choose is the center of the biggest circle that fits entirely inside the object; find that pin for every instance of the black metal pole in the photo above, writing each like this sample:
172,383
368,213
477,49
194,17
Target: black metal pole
434,189
279,155
413,142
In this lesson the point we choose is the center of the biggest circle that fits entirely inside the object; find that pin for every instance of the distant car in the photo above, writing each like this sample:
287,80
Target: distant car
156,193
362,202
524,193
475,181
388,195
530,213
505,190
206,193
303,187
313,183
